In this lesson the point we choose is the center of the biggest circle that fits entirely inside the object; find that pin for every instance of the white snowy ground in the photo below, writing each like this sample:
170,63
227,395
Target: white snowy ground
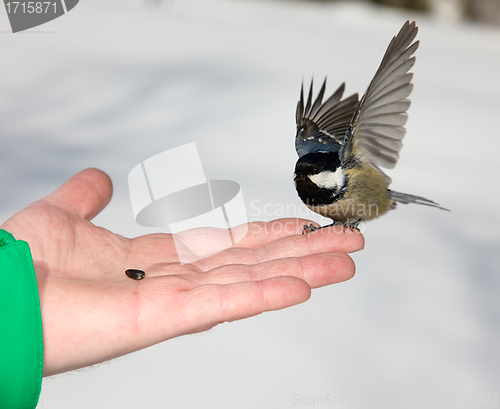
113,83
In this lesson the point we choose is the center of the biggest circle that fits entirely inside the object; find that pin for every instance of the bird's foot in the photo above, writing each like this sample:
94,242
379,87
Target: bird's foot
353,225
308,228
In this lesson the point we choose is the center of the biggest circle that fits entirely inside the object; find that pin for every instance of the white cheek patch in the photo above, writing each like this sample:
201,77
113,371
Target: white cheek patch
328,179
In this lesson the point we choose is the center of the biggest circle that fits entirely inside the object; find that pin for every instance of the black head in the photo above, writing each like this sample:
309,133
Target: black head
317,162
319,178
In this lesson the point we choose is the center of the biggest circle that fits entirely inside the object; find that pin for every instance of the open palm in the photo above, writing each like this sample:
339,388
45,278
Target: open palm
92,312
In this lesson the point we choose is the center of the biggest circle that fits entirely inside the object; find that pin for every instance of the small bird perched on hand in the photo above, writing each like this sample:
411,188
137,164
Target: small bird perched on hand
342,143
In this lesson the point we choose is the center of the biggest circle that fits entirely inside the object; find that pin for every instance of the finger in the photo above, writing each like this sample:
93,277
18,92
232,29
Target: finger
210,305
85,194
160,250
151,249
317,270
324,241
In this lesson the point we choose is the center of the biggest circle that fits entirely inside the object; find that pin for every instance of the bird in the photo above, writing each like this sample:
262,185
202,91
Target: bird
342,144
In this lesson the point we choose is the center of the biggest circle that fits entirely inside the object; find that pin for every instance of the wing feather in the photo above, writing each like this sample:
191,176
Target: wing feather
322,125
377,127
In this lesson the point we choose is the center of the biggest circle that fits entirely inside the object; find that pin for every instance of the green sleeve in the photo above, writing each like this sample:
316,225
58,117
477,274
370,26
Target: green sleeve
21,339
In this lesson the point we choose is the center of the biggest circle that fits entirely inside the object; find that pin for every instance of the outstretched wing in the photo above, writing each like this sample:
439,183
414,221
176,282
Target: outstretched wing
377,128
322,126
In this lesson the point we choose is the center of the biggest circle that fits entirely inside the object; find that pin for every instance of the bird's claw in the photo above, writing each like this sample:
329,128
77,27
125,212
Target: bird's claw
353,226
308,228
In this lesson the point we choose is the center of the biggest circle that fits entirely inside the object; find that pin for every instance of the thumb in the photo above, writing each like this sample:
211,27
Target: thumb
85,194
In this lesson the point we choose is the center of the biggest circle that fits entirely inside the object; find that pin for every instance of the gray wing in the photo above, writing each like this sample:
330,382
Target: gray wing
323,125
377,128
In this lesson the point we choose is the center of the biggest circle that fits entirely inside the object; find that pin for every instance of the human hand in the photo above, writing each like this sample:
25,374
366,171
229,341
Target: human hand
92,312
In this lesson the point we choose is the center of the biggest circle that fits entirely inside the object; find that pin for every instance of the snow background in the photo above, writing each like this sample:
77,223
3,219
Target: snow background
113,83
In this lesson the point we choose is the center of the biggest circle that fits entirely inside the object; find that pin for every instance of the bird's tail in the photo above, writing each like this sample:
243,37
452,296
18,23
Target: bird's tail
406,198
